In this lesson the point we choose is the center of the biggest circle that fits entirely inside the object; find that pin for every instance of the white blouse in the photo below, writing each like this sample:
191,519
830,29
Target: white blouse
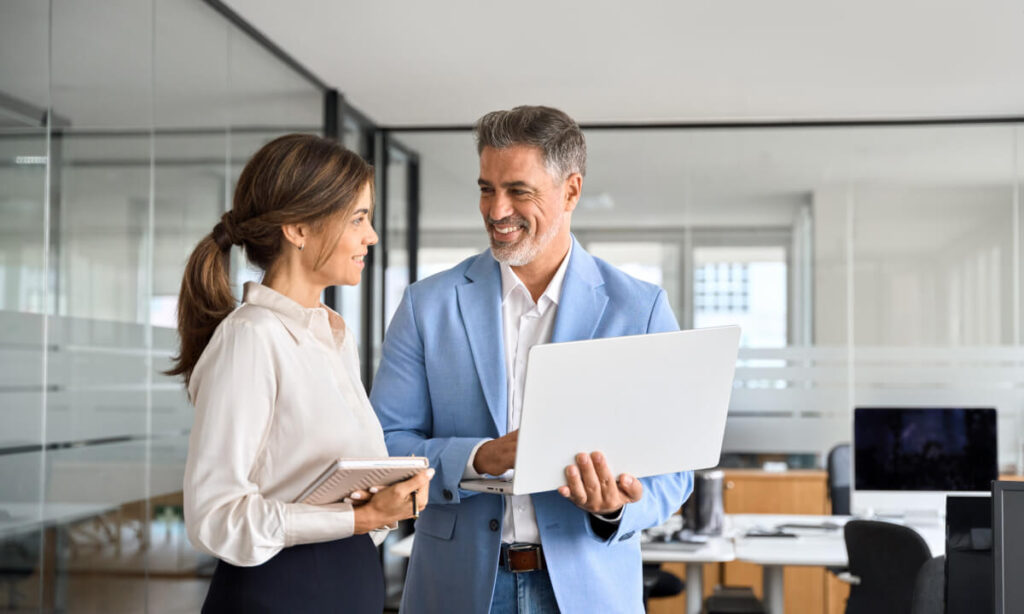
277,397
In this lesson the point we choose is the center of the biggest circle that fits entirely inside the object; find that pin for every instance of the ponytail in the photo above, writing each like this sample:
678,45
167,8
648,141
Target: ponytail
296,178
205,298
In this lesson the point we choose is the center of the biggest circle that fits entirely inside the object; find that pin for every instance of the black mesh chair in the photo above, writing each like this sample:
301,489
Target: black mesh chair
660,583
930,587
838,466
884,560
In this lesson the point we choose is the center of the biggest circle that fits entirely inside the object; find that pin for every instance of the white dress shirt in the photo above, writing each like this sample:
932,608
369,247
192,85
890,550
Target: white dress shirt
525,323
277,397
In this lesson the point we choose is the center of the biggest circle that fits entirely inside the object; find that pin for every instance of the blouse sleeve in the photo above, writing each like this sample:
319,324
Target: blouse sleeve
233,388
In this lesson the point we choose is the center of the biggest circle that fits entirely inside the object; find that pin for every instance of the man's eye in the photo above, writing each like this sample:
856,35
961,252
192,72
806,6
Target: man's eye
518,192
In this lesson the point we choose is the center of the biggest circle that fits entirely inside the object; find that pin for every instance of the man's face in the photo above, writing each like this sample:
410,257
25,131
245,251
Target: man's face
526,211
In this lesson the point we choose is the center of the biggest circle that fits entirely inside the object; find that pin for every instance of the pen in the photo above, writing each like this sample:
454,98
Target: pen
415,508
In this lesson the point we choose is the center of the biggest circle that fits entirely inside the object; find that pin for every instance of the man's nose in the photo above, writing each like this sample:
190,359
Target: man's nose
501,207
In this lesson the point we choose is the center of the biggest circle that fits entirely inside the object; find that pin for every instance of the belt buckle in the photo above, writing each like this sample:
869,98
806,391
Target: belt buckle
507,549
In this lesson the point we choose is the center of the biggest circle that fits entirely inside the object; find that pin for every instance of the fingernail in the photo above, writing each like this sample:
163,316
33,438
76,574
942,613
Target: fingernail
374,489
584,459
430,473
598,457
627,480
356,495
572,471
563,491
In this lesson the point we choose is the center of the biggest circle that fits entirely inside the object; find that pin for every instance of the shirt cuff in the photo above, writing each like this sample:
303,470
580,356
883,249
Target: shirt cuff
306,524
611,518
469,473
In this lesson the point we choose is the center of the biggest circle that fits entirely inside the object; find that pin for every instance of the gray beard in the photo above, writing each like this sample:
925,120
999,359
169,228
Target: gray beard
523,252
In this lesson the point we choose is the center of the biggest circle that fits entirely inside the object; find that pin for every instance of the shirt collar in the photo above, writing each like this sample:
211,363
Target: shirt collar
294,316
510,281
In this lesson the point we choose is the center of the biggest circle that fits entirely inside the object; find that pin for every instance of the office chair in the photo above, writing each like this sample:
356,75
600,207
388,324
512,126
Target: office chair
660,583
19,559
930,587
884,560
838,466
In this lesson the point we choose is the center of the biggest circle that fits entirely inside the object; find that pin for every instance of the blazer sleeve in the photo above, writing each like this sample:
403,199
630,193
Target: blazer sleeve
233,390
401,398
664,494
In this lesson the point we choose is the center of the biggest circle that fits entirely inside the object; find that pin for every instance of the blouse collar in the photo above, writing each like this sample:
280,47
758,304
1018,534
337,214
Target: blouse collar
322,322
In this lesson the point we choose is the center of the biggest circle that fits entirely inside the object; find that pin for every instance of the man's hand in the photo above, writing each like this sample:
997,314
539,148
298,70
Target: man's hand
497,455
592,487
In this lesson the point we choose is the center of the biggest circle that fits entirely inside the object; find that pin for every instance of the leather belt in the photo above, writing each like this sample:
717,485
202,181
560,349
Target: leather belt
520,558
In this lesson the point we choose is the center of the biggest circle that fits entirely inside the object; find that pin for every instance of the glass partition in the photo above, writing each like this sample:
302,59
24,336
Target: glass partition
118,152
25,295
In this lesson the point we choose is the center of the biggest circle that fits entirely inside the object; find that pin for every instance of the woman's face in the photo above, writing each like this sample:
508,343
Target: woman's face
345,265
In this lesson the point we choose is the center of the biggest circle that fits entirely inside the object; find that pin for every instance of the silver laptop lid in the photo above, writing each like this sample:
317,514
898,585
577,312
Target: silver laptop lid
653,404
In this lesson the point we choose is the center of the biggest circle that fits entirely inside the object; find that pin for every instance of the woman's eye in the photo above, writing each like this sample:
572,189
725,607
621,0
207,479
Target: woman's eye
357,221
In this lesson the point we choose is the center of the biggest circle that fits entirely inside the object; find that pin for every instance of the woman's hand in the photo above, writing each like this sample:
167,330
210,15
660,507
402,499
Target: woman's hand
394,503
362,497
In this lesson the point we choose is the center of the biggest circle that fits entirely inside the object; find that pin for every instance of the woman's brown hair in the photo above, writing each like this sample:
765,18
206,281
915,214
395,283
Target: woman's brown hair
294,179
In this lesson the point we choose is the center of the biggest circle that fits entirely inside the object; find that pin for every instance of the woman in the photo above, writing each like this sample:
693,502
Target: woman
276,389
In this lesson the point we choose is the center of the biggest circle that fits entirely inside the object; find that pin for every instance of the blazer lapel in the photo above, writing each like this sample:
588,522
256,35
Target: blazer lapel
480,307
583,298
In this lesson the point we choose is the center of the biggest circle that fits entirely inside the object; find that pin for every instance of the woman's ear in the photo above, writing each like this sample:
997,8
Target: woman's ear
296,234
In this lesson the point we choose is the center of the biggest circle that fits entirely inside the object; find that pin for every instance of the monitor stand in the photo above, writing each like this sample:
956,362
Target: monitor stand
913,518
922,518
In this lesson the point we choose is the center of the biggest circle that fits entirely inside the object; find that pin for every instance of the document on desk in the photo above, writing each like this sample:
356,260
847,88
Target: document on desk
674,546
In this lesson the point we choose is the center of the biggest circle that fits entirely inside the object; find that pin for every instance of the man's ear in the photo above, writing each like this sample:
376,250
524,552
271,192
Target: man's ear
296,234
573,190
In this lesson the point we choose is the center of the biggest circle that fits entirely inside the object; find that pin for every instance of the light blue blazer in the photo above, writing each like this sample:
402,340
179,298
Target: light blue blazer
441,388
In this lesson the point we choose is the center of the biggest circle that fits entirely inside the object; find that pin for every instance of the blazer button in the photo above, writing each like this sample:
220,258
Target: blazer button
494,524
447,494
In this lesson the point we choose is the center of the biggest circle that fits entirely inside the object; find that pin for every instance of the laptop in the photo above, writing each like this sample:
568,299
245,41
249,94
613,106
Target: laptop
652,404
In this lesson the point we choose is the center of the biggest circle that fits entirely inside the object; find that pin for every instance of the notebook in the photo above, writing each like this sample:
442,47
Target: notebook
347,475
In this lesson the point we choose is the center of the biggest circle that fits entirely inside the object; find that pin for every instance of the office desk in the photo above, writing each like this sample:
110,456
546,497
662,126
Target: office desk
717,550
18,518
812,547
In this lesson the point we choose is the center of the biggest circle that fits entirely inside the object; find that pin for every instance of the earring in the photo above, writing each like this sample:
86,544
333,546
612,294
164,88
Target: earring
301,247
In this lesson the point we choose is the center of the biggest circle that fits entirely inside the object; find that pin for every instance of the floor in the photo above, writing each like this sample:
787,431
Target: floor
104,575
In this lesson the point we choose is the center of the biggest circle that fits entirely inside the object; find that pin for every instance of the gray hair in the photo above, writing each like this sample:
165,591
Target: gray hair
557,135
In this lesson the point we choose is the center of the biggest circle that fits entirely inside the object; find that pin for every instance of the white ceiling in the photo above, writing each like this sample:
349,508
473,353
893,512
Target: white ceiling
421,63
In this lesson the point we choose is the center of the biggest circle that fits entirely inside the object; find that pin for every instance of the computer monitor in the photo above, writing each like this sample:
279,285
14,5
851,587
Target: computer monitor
907,459
1008,545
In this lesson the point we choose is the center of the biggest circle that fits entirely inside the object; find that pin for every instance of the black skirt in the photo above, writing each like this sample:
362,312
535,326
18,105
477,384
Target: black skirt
338,576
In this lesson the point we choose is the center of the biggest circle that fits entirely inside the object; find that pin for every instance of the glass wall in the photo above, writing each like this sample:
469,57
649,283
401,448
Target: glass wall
868,266
123,128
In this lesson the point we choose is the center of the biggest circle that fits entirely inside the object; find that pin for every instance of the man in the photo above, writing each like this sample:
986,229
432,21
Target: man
450,387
